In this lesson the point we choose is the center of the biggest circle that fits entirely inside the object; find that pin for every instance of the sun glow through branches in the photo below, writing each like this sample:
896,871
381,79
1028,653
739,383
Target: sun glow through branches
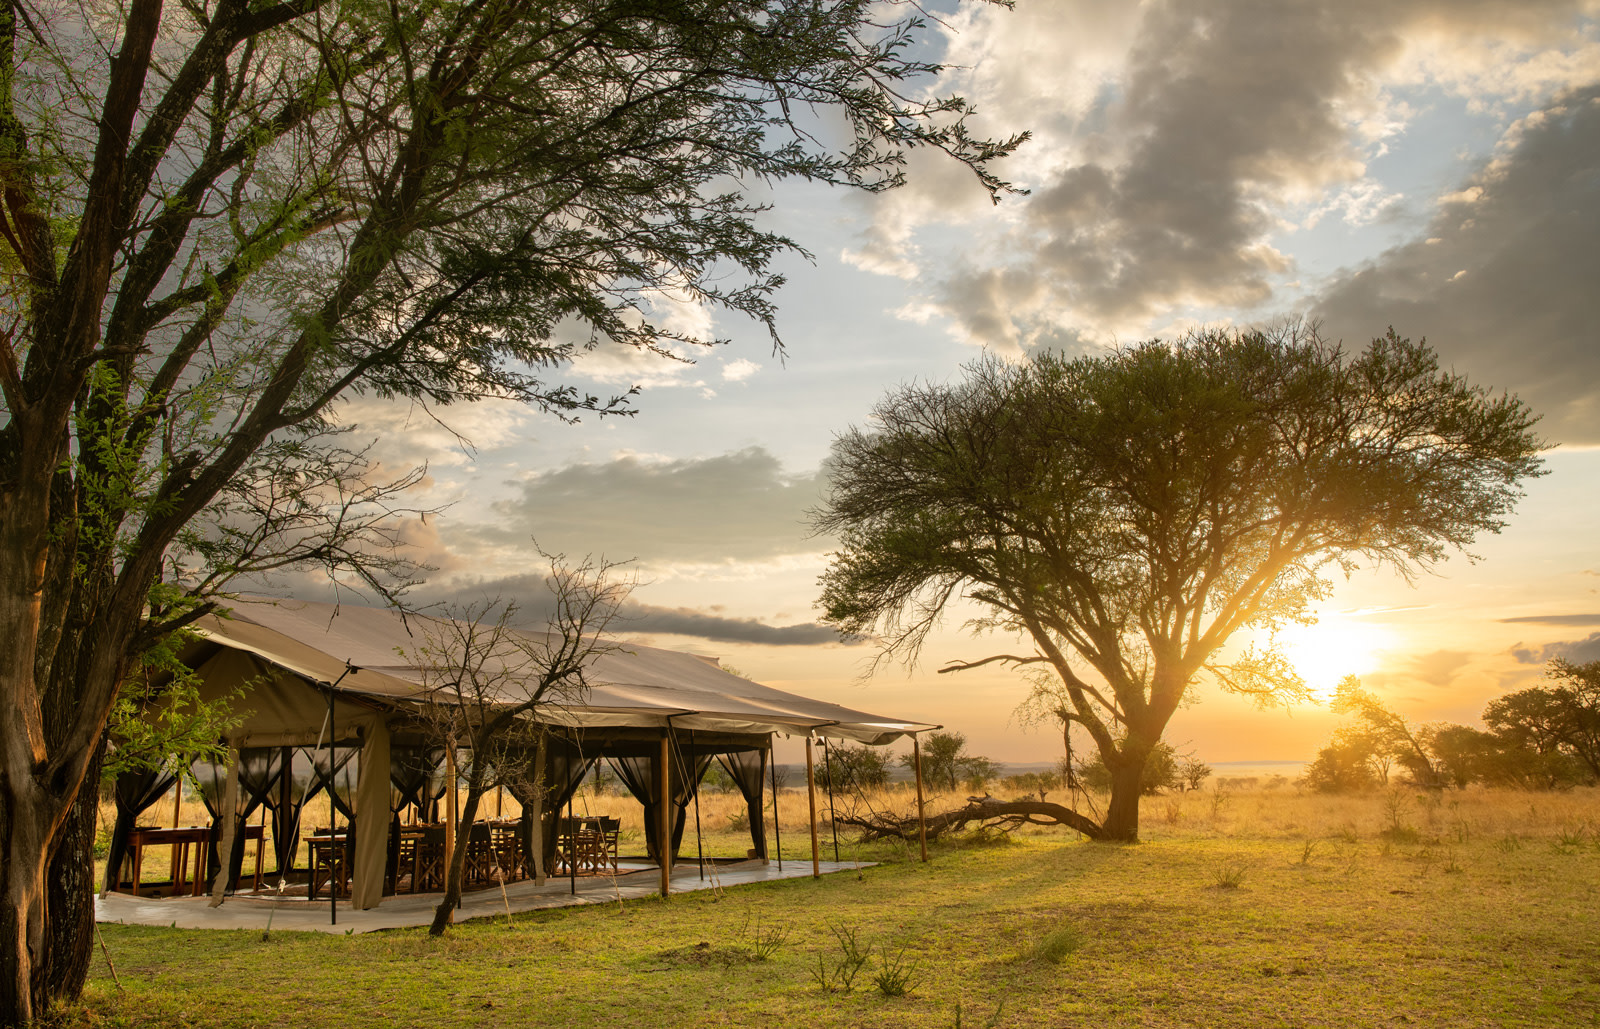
1336,646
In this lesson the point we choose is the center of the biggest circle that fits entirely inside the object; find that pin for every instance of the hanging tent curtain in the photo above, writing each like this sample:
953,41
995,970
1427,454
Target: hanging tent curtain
565,766
343,777
287,801
638,774
135,792
260,777
747,768
416,775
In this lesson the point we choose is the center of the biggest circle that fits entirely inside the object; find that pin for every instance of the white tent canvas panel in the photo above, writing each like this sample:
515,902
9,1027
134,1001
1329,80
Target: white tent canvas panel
372,651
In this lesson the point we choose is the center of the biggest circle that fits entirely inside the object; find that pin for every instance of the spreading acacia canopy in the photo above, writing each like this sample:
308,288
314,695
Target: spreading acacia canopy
1136,508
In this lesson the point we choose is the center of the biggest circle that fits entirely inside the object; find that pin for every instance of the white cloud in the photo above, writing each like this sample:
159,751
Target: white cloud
739,369
406,435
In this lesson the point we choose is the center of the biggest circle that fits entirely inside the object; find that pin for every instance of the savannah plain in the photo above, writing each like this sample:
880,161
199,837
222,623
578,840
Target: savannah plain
1251,904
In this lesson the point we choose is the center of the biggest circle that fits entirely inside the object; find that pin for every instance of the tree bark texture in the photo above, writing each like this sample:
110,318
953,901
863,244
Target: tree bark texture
70,895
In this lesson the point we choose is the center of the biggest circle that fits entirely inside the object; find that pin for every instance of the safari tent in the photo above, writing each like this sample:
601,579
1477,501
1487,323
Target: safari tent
331,698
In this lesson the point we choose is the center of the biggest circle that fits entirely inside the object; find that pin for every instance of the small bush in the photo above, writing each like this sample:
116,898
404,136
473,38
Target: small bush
1058,945
839,975
1229,876
895,976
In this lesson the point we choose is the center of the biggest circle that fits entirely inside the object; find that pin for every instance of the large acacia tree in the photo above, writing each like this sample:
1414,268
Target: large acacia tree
1128,513
218,218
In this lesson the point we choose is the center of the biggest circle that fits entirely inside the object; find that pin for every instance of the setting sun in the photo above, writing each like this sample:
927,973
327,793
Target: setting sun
1336,646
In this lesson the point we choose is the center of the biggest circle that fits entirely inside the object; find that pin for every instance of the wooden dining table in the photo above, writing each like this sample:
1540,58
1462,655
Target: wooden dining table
190,846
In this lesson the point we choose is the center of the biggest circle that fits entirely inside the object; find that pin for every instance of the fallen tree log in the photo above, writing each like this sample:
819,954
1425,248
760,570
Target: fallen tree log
990,814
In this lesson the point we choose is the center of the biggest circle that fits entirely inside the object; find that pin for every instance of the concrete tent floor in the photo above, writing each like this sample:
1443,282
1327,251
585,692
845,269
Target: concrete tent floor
401,911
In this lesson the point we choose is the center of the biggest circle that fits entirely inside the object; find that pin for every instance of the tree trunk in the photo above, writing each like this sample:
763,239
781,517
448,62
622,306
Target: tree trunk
70,893
22,898
456,872
1121,824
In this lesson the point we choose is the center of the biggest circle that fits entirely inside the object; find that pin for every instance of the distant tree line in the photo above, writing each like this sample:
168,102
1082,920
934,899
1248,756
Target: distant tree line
1544,737
946,765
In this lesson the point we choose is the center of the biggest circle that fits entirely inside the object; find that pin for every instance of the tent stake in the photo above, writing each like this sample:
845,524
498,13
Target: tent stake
811,798
827,767
922,818
777,832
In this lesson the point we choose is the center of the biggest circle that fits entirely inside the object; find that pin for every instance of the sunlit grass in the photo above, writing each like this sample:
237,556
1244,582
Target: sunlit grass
1485,912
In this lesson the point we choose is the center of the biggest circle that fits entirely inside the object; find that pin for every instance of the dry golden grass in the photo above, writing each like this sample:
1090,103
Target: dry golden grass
1249,908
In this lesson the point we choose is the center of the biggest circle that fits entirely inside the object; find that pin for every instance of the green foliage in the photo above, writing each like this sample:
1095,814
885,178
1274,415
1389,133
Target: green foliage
717,779
1343,766
847,769
946,765
1543,737
837,973
894,976
1162,771
1135,509
764,941
1562,718
159,718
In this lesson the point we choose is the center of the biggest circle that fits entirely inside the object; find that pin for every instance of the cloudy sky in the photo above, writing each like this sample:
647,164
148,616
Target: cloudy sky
1428,164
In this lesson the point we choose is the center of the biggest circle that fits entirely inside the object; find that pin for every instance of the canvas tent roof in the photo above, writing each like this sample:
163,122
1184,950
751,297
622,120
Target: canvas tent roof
370,651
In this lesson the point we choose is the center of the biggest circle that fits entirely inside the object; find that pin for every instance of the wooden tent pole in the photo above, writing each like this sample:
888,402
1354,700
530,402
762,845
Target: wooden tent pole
833,819
663,819
699,844
333,848
777,831
811,797
922,816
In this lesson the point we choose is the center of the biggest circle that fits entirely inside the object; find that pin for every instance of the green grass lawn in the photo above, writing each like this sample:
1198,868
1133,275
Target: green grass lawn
1261,911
